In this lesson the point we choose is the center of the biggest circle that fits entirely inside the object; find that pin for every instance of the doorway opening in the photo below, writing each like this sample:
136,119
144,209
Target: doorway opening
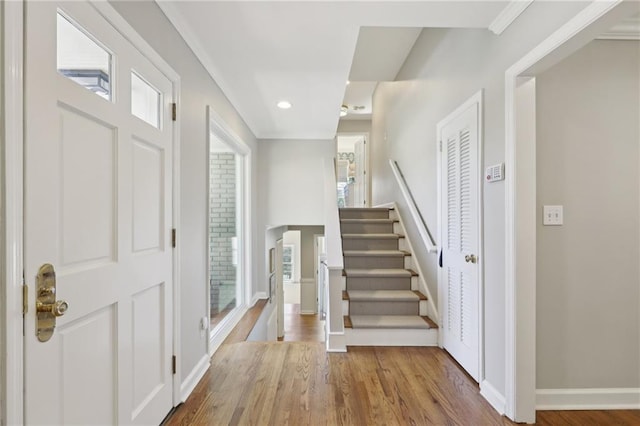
351,167
301,317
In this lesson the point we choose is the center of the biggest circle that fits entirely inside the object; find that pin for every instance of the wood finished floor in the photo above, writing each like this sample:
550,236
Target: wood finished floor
298,383
302,328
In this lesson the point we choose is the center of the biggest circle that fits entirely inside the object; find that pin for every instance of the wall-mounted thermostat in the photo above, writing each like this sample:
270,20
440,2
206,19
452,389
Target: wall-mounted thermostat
495,173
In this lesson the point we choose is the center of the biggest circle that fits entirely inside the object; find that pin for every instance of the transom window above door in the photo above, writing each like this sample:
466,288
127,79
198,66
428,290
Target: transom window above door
82,59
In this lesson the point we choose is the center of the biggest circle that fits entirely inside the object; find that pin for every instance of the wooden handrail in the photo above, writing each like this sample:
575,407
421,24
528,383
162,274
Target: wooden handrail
413,208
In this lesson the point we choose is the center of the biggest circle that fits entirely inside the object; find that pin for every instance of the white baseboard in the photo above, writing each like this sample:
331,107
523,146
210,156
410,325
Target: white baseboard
588,399
259,295
336,342
491,394
189,384
391,337
225,327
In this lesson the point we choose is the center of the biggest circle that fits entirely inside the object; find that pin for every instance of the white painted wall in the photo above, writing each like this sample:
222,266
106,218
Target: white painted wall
588,291
266,326
291,177
198,91
354,126
445,67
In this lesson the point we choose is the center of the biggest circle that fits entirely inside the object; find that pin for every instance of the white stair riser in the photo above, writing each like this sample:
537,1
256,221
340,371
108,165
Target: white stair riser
391,337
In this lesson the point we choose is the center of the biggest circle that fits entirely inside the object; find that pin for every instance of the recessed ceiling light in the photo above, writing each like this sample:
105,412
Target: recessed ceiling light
284,104
348,82
343,110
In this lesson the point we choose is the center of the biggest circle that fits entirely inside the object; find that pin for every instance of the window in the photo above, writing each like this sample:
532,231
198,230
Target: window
81,59
287,263
145,101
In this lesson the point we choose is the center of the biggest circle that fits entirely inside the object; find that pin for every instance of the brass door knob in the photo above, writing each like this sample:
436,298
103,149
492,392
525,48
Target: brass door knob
58,308
470,258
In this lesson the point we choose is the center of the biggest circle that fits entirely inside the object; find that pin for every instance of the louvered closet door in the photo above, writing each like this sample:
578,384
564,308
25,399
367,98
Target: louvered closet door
459,238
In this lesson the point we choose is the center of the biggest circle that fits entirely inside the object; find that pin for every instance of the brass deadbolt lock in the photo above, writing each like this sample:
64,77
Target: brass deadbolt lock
47,307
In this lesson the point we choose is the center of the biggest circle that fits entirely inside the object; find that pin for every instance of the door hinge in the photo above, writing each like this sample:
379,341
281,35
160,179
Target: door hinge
173,364
173,238
174,111
25,298
440,146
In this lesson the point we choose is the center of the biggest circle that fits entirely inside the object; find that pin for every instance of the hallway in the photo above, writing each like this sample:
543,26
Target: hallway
302,328
273,383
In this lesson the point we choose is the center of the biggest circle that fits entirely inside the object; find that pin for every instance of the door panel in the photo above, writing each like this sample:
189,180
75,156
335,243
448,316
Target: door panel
83,344
98,207
148,190
87,190
459,237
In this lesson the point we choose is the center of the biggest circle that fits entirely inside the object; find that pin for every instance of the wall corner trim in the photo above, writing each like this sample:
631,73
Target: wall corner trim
509,14
258,296
588,399
190,382
493,397
336,342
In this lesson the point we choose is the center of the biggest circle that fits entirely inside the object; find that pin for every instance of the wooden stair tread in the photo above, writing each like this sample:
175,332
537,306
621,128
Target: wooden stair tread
432,323
373,253
372,236
366,209
347,321
345,295
369,220
384,296
379,273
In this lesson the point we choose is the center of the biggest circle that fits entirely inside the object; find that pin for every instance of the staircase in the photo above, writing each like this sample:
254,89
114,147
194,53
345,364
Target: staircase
381,300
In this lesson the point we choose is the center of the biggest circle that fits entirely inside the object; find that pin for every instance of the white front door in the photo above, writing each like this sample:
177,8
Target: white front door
459,237
98,207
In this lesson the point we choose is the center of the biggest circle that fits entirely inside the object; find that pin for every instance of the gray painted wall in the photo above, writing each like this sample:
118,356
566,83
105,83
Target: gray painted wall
307,268
291,185
588,291
197,91
354,126
444,68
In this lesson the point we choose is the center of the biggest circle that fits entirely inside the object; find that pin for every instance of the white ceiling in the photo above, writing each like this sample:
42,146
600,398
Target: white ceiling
260,52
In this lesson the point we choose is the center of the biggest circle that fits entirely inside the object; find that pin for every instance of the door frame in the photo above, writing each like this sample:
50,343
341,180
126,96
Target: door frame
12,382
367,161
12,376
217,126
316,269
520,320
476,98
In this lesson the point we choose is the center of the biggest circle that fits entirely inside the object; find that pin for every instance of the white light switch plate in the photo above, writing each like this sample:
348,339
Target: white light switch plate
552,215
